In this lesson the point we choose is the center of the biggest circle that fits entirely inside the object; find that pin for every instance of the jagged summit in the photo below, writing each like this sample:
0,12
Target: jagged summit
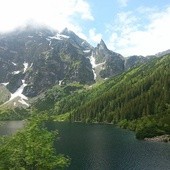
36,58
65,31
102,44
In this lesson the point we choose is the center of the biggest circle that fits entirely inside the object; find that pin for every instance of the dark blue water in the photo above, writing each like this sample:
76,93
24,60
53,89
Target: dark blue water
105,147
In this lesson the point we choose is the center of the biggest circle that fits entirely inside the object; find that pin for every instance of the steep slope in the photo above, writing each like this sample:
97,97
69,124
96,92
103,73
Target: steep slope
138,99
108,63
140,91
36,58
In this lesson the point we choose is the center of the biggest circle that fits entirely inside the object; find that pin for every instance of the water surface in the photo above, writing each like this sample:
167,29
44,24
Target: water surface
103,147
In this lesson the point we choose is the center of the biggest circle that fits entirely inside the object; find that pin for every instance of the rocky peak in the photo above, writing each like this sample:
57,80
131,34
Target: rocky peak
76,40
42,57
102,45
65,31
160,54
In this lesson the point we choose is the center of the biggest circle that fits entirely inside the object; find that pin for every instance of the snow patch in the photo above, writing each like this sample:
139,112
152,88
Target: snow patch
25,66
15,72
14,63
48,39
59,36
5,84
18,93
30,36
94,65
31,65
60,82
63,36
55,37
93,62
94,73
86,51
23,102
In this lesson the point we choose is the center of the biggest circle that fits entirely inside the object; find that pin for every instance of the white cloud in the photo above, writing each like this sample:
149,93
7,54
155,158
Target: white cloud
131,37
84,8
123,2
55,13
93,36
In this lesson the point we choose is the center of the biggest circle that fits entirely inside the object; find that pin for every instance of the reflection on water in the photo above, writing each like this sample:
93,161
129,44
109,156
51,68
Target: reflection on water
103,147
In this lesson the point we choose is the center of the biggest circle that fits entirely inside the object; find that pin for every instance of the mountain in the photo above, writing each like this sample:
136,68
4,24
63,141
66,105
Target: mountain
55,72
108,62
160,54
138,99
135,61
35,58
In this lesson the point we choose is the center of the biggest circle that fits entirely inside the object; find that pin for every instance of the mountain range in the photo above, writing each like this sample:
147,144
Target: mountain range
34,59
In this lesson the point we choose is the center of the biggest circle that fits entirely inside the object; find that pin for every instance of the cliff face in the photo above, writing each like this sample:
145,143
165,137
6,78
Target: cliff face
114,63
34,59
42,58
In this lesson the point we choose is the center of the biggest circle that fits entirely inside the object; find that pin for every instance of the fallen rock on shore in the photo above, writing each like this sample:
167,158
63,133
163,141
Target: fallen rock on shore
162,138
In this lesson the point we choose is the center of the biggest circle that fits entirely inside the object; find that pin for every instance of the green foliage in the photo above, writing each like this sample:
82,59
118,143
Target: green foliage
136,99
55,94
62,117
139,92
31,149
13,114
5,94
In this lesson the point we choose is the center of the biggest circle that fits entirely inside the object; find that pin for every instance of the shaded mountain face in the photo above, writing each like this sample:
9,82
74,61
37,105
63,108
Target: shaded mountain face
110,63
42,58
34,59
113,63
134,61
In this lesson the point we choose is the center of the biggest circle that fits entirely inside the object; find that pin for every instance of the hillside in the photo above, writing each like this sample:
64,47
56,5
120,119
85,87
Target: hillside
138,99
33,59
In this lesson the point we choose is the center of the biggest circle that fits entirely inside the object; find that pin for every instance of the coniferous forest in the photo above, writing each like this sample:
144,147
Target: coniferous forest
138,99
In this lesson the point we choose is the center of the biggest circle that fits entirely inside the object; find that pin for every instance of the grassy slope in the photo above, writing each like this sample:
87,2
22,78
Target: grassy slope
137,99
5,94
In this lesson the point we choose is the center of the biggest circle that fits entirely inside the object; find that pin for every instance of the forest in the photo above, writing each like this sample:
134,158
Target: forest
138,99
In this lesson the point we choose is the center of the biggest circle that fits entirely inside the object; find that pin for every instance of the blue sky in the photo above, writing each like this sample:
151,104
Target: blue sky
128,27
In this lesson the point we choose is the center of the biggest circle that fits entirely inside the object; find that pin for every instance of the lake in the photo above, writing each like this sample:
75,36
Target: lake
104,147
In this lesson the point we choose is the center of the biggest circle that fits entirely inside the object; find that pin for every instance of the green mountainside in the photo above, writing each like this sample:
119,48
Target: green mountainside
138,99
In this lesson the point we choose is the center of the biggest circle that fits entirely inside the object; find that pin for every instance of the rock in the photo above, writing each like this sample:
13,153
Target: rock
162,138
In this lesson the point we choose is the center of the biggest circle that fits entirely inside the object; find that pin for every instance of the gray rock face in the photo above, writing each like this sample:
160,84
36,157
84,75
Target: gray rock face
38,58
114,63
134,61
43,58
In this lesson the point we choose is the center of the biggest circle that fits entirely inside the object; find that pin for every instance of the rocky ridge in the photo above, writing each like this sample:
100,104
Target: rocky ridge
34,59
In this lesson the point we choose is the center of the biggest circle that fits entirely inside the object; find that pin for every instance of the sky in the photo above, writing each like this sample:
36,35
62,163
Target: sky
128,27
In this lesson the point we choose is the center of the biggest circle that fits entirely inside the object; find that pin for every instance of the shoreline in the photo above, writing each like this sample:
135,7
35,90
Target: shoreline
162,138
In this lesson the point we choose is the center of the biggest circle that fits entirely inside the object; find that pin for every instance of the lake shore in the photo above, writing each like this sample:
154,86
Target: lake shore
162,138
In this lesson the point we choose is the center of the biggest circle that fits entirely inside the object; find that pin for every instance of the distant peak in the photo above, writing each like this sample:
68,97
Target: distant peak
65,31
102,44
